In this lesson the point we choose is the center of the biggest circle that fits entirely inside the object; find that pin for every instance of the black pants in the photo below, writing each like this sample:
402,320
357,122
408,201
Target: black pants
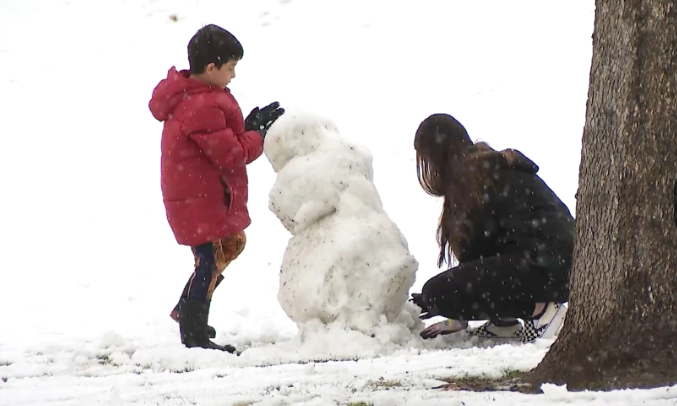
205,267
198,289
504,286
211,259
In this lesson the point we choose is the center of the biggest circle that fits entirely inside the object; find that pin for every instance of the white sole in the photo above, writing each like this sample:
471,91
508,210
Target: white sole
556,323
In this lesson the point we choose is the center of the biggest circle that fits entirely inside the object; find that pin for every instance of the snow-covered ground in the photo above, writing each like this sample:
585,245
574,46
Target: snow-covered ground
90,270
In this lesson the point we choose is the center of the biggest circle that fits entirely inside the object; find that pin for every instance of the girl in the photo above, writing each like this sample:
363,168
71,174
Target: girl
512,236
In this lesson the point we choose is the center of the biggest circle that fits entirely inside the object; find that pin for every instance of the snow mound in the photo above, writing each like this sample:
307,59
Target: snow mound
347,266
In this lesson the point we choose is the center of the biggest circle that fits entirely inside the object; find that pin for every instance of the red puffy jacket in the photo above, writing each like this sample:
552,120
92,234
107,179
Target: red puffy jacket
204,152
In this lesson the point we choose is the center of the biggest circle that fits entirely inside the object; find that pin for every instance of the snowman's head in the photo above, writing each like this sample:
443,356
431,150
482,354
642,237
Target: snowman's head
297,134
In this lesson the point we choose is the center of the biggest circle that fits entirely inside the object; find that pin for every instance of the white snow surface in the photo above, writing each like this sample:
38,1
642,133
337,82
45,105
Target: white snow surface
88,265
347,266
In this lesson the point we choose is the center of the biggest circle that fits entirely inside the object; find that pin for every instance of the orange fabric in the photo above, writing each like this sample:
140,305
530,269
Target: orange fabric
226,250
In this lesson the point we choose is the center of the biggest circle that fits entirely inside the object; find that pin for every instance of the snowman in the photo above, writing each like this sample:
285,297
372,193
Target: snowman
347,262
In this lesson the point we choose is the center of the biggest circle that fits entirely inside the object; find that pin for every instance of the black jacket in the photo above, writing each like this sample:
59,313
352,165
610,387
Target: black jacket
521,216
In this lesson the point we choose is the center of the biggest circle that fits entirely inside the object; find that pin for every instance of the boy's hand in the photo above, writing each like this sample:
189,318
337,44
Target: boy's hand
262,119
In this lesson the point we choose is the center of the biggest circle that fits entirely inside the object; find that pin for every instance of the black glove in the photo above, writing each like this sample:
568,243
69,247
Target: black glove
417,299
427,312
261,119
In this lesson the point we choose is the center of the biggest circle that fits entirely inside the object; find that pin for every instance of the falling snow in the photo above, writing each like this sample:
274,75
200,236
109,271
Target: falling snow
90,269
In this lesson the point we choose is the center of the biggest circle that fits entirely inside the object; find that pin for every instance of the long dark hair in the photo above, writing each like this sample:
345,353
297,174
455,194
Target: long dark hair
450,165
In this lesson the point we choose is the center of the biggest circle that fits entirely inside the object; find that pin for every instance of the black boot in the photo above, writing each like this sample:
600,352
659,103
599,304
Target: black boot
193,325
175,314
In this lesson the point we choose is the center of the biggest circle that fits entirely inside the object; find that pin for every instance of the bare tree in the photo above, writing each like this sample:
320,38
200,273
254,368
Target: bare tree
621,330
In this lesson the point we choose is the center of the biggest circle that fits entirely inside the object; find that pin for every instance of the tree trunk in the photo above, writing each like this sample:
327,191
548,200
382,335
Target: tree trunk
621,330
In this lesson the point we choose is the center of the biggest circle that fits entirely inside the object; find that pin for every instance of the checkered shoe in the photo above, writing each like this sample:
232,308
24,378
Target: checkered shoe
490,330
547,326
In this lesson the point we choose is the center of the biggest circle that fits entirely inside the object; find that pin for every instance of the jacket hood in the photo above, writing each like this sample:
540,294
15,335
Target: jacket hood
172,91
507,158
519,161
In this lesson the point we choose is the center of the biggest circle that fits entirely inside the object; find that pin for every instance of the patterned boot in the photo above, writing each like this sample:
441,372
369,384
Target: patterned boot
502,328
547,325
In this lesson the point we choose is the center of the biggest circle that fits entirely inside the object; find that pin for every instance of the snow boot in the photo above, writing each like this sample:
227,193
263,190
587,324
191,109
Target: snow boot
547,325
193,318
503,328
211,331
176,315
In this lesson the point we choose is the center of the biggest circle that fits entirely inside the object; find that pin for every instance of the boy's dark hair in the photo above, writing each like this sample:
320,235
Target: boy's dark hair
212,44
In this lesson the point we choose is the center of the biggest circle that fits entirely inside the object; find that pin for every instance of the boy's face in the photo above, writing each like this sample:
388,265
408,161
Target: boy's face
221,77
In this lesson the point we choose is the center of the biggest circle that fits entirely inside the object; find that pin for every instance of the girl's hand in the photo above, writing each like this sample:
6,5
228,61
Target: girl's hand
443,328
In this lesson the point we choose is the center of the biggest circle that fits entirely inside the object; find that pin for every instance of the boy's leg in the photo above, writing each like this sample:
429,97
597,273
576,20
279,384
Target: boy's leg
174,314
226,250
211,260
175,311
194,309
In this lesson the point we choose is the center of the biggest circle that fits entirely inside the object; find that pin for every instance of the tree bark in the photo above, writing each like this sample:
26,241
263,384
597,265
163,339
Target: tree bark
621,329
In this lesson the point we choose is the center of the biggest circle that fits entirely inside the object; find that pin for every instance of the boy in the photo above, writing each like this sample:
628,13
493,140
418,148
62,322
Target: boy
206,145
